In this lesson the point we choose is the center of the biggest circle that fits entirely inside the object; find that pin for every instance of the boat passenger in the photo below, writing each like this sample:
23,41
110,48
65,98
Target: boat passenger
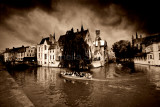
61,72
90,76
77,74
81,74
73,74
67,73
87,74
64,72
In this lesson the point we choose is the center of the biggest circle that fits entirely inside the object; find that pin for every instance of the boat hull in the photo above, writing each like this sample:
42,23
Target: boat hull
75,77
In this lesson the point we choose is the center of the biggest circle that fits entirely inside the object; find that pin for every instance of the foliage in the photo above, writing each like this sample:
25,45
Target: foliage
123,49
75,52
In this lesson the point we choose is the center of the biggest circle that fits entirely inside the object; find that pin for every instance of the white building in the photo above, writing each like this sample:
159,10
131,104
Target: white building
153,54
48,52
99,51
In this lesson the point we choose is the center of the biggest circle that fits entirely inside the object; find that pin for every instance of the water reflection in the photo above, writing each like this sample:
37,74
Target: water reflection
45,87
77,93
46,76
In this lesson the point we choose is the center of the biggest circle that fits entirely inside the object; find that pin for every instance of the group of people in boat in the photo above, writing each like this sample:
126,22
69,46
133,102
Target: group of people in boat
77,74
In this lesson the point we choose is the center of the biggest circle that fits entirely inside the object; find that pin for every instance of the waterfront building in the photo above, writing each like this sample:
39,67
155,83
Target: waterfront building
137,43
73,45
70,47
153,54
48,53
111,56
150,49
20,54
99,51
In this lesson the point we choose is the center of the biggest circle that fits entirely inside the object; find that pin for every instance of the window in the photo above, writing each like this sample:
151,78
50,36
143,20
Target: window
50,56
45,47
53,56
45,56
159,56
39,55
150,56
159,47
39,49
44,62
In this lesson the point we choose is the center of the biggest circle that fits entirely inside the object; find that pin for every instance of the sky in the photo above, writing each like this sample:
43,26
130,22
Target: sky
26,22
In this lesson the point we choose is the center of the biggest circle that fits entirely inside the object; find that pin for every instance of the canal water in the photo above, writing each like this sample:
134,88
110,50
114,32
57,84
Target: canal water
138,86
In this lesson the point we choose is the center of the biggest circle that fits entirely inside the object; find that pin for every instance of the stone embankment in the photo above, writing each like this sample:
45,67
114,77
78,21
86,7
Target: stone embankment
11,95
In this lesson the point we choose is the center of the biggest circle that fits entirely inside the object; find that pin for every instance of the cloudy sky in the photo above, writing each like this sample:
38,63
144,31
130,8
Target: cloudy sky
25,22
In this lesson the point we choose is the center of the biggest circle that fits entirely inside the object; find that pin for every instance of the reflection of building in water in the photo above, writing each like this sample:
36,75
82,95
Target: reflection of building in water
46,76
152,72
154,76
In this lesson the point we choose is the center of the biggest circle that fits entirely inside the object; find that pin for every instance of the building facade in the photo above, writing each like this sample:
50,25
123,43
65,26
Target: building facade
149,52
75,46
153,54
99,51
20,54
48,52
69,47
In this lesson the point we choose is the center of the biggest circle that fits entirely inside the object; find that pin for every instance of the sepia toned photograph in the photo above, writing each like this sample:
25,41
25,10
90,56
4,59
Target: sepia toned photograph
79,53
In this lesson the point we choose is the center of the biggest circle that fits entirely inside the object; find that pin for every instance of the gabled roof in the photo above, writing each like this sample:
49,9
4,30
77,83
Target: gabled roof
151,39
82,33
18,50
53,46
43,40
62,38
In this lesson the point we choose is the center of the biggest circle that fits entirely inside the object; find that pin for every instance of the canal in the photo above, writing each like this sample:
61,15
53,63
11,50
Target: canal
123,87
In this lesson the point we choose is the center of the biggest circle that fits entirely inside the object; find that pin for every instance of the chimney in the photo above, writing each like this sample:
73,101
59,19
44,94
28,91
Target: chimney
50,37
97,33
136,35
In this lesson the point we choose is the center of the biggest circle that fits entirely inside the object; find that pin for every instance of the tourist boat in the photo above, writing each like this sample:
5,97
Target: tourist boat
75,77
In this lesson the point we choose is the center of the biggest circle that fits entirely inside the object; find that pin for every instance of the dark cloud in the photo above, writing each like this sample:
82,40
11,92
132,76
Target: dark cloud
27,20
20,7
